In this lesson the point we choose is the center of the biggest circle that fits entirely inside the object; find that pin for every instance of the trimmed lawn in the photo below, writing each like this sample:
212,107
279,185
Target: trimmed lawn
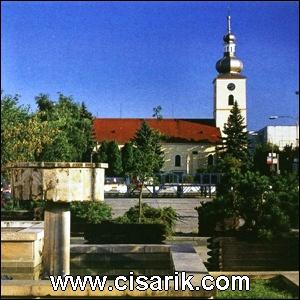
260,289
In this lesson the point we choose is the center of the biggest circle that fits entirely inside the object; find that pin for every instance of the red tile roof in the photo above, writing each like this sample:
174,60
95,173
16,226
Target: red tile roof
176,130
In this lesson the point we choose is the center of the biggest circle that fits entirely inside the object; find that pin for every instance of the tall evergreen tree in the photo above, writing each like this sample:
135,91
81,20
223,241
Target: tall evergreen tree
148,157
235,143
127,158
236,140
101,155
234,157
114,160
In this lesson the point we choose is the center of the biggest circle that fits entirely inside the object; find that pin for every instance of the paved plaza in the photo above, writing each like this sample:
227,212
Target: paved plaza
185,207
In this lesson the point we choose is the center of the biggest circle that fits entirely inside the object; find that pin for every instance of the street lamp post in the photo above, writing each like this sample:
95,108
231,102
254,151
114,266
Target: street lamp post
272,151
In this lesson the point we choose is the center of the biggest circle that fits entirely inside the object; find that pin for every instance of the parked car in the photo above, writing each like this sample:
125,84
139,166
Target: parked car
5,193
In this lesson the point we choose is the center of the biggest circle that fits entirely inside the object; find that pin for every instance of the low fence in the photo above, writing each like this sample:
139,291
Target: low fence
169,185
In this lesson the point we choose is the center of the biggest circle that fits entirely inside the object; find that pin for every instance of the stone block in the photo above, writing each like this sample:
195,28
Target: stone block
22,245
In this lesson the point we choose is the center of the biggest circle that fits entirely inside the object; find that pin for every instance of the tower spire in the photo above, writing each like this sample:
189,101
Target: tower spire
228,24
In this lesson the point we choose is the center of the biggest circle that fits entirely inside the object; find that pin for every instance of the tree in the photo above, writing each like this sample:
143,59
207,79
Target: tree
157,112
45,106
233,156
87,142
148,157
286,159
236,141
23,135
260,155
101,155
114,159
127,158
74,139
268,205
250,191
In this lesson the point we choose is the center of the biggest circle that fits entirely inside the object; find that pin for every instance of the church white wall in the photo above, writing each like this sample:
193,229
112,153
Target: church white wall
221,107
189,162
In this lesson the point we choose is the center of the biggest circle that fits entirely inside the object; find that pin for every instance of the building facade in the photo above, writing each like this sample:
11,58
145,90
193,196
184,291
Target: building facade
190,144
279,135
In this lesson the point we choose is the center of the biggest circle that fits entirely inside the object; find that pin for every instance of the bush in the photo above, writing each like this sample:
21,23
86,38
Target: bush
90,212
268,206
8,205
166,216
23,210
287,189
213,216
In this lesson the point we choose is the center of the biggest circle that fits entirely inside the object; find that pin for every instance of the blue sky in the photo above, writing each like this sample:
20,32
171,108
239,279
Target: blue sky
124,58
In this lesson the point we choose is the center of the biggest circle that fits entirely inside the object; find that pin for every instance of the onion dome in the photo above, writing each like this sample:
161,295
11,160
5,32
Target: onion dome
229,63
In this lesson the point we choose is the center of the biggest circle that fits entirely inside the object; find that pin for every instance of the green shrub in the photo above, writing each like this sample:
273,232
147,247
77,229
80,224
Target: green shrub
287,189
166,216
213,214
24,205
91,212
8,206
268,206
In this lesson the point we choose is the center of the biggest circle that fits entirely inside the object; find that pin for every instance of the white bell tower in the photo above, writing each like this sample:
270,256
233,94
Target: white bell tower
229,85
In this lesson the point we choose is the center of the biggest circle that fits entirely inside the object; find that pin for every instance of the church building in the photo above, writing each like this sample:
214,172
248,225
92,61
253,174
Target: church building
190,143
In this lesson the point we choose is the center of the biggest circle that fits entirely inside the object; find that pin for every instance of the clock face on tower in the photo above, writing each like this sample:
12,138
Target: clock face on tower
231,86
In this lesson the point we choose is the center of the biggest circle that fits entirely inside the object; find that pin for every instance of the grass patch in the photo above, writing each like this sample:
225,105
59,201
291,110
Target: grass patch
273,288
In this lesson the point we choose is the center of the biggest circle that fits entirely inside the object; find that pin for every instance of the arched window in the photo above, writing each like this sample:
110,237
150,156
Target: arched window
230,100
177,161
210,160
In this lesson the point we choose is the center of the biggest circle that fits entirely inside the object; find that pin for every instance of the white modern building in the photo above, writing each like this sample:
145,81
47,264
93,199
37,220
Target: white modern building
279,135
